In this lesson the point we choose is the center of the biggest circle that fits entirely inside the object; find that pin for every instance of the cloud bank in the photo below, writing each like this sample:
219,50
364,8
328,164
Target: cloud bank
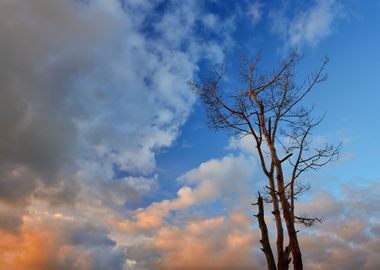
91,90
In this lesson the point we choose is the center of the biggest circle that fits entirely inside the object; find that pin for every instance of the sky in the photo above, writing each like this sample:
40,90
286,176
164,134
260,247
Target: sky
106,157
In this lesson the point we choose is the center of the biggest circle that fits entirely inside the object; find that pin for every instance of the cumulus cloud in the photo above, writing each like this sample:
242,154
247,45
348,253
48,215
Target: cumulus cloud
73,97
207,244
348,239
212,181
200,243
179,234
59,242
91,90
74,101
308,26
175,234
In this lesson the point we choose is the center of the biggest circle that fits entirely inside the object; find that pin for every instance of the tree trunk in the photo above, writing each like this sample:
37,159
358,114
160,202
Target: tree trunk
281,256
289,221
264,236
294,245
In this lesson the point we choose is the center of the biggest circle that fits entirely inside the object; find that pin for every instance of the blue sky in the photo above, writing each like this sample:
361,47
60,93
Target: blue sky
106,157
348,97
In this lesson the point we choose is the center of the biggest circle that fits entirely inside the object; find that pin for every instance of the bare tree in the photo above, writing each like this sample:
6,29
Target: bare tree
267,108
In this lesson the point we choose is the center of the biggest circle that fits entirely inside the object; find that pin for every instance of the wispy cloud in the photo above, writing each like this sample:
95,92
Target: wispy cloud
308,26
255,11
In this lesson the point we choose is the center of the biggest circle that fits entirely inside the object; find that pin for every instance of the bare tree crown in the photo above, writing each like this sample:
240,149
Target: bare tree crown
267,107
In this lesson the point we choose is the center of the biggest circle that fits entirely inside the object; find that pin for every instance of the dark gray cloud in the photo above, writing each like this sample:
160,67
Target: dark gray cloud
83,90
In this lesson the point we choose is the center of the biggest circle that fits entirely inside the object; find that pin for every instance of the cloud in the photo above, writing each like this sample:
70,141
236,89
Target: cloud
255,11
59,242
89,95
227,246
91,91
212,181
308,26
176,228
210,243
185,232
244,144
348,237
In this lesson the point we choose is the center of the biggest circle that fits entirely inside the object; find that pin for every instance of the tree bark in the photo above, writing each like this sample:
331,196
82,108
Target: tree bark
289,221
281,260
266,248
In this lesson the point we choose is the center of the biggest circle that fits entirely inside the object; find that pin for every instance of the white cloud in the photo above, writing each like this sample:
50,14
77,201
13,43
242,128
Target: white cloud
245,144
307,26
177,226
227,179
351,224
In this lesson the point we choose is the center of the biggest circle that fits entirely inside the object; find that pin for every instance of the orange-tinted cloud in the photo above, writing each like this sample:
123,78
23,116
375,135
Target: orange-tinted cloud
215,243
